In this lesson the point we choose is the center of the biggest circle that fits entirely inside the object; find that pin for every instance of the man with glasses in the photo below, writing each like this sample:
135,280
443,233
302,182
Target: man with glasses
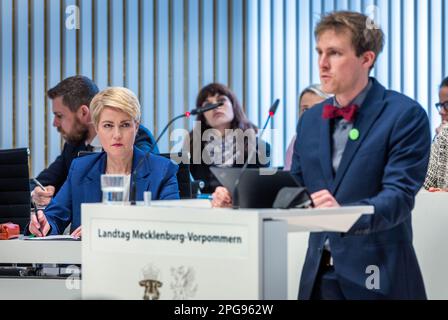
442,105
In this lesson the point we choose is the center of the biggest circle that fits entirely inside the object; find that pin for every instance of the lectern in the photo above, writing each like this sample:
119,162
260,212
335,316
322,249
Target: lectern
172,251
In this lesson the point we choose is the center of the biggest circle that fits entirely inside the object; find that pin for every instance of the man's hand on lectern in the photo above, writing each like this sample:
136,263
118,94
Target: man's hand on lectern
221,198
324,199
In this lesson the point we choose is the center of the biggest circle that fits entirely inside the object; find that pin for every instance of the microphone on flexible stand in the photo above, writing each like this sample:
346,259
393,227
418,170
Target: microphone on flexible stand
197,111
235,199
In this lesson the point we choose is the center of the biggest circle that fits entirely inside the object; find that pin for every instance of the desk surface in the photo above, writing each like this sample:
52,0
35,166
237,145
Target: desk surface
28,251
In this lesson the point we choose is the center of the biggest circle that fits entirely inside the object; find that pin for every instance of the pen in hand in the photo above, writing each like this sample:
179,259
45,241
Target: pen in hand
34,213
39,184
39,223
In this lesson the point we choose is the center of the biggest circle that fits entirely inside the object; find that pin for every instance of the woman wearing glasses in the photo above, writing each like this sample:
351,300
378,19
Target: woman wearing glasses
442,105
437,176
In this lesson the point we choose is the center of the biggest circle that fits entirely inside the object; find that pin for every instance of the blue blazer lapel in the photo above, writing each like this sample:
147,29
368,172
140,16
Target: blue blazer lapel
143,180
325,151
367,115
92,182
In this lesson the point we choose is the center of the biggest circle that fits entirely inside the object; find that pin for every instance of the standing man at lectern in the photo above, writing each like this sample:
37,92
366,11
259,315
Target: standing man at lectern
365,146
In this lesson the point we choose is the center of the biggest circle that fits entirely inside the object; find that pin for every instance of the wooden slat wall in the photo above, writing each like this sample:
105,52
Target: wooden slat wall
165,50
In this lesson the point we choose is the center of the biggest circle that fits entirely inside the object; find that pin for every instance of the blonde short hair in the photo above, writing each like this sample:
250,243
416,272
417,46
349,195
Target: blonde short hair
119,98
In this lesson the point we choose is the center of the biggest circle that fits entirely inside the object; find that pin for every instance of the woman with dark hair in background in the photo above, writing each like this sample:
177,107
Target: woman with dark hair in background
222,137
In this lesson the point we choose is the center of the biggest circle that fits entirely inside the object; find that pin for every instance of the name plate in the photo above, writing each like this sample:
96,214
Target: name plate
169,238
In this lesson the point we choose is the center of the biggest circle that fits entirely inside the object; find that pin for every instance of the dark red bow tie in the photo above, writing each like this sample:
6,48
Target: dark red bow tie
348,113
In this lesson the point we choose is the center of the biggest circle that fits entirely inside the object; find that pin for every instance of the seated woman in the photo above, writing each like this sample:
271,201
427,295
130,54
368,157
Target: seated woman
116,116
437,175
309,97
223,137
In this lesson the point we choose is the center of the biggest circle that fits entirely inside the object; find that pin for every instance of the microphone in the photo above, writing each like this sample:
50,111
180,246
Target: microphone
271,114
197,111
208,107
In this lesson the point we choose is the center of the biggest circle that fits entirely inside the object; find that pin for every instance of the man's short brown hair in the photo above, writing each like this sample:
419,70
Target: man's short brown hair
365,35
75,92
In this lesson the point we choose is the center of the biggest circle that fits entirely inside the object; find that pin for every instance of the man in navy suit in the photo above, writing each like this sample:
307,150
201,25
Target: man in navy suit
365,146
70,101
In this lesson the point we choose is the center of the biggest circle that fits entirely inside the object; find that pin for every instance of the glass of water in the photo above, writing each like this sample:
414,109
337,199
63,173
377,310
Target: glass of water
147,198
113,186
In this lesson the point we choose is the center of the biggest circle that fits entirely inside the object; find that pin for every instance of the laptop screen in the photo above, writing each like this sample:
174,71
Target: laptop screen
258,187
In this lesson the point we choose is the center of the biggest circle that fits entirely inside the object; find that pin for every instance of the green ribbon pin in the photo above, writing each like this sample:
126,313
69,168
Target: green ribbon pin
354,134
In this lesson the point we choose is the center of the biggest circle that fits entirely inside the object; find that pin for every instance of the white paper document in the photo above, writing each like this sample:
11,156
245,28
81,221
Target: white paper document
53,237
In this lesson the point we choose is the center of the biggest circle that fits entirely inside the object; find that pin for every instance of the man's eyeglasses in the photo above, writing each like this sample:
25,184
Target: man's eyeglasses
442,105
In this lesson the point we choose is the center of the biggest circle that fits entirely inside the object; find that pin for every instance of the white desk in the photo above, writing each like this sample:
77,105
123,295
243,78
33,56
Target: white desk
430,224
40,252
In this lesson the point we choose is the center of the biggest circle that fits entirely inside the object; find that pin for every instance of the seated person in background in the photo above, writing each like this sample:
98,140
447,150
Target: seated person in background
437,175
308,98
70,101
224,144
116,116
442,105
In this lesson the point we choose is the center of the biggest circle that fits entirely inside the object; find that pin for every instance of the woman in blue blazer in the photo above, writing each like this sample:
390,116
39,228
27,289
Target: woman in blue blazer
116,116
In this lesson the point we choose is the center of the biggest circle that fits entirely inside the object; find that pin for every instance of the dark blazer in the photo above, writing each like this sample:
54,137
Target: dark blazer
384,168
83,185
57,172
